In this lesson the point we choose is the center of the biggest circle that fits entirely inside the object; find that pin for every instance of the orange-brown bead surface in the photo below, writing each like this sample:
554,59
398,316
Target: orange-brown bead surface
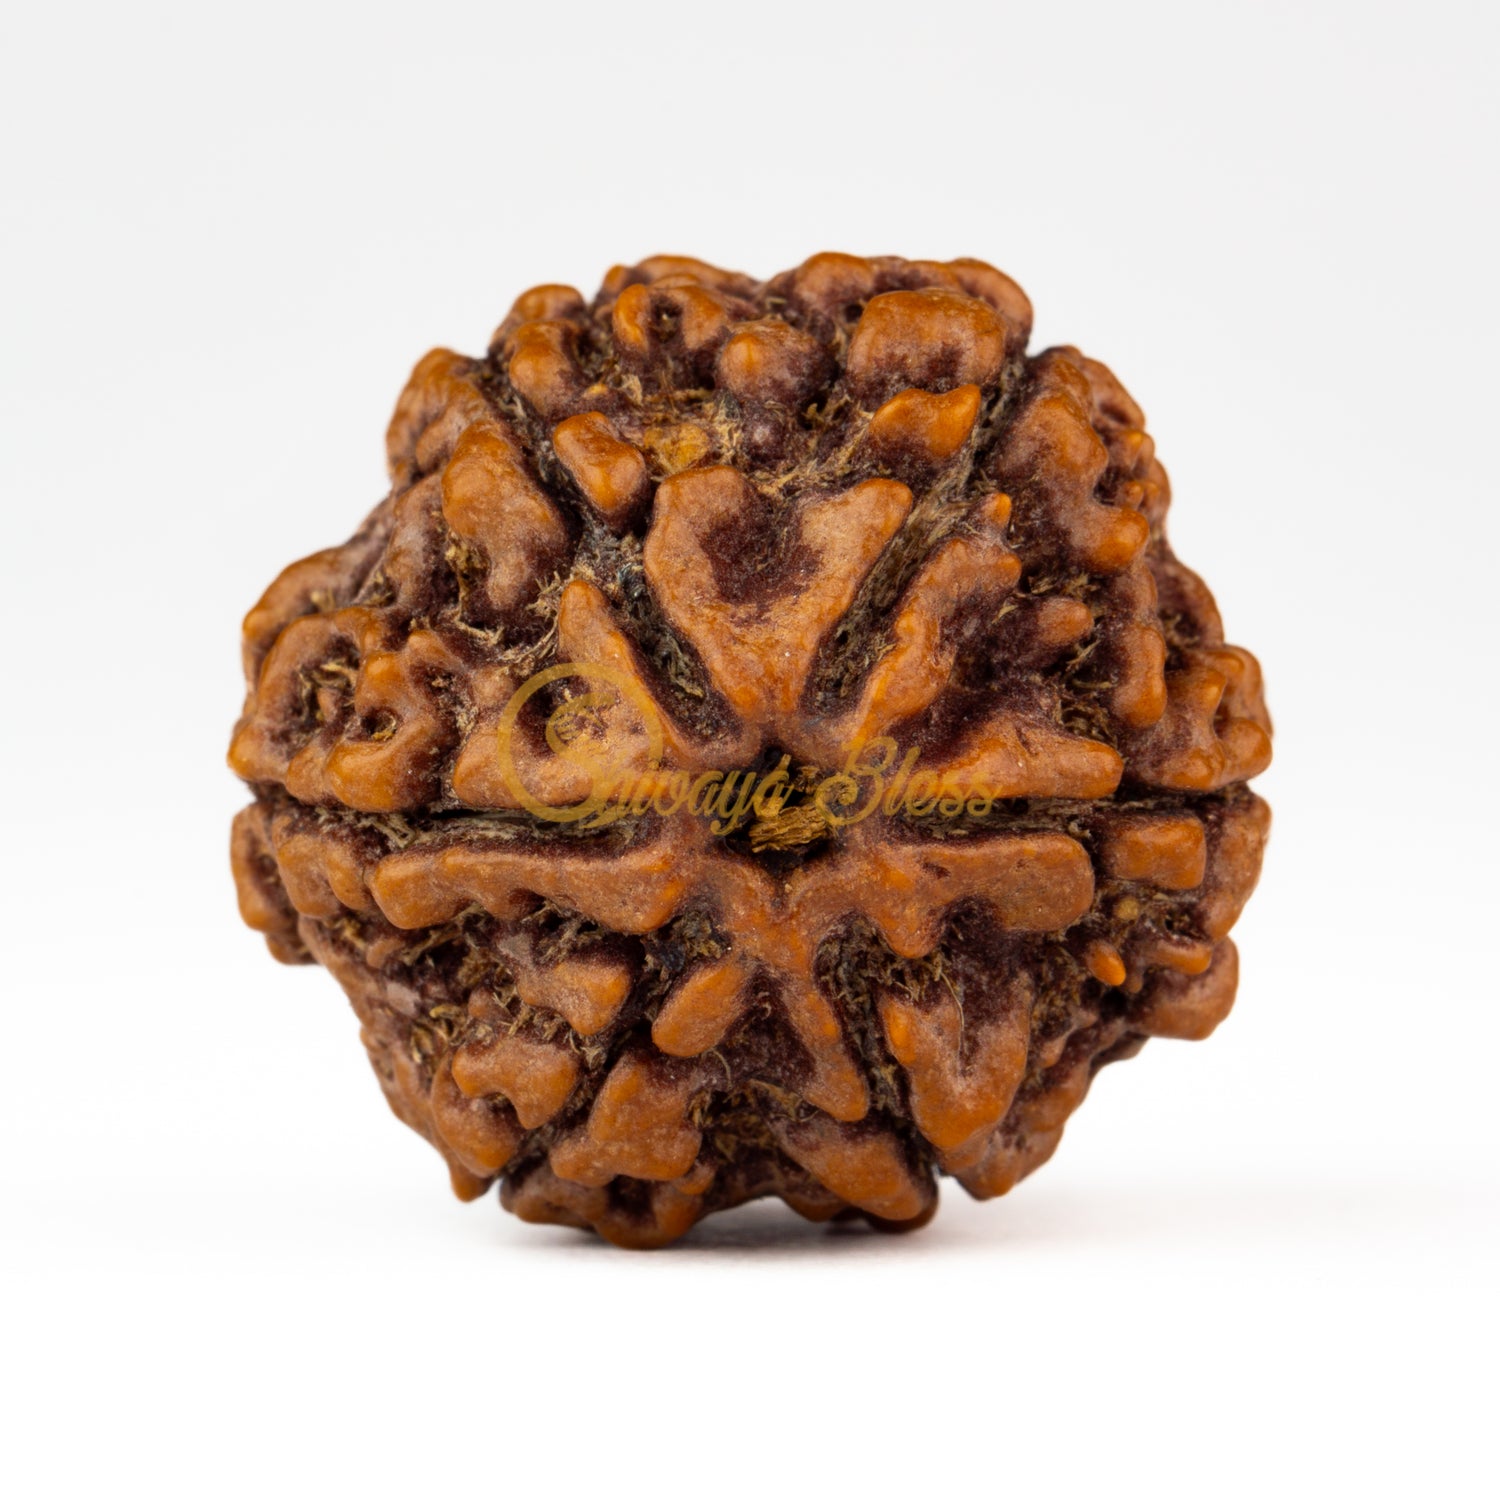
924,757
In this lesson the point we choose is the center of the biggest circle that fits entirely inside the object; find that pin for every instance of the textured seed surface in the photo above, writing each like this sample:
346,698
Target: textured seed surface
792,516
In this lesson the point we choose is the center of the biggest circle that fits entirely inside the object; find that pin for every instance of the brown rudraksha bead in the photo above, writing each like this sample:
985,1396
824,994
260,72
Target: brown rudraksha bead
837,534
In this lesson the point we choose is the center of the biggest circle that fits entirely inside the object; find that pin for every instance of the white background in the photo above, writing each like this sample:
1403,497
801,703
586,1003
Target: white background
1262,1264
